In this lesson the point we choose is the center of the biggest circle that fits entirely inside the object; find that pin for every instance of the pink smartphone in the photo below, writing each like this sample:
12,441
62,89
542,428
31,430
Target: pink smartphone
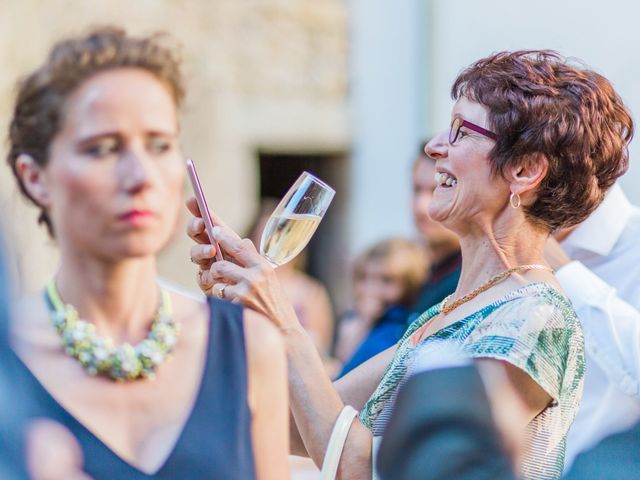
202,206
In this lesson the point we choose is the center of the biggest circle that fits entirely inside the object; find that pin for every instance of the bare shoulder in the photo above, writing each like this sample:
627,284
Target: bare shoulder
262,338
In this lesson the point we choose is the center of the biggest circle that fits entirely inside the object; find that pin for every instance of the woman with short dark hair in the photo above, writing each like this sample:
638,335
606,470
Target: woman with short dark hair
543,108
533,145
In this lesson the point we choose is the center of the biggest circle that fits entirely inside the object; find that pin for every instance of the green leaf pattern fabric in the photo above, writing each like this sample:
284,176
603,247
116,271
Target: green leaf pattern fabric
533,328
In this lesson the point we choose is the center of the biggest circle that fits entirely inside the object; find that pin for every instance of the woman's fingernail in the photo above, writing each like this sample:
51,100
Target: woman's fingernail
212,252
215,232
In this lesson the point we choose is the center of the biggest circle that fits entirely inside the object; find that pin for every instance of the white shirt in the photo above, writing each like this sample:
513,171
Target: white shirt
603,283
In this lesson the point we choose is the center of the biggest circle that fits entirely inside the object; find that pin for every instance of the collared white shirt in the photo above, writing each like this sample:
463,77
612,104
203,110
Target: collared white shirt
603,283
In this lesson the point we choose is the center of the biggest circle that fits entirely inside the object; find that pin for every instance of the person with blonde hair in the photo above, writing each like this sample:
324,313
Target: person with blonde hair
386,276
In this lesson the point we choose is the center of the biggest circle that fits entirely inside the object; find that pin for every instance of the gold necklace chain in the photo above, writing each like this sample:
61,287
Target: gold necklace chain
446,308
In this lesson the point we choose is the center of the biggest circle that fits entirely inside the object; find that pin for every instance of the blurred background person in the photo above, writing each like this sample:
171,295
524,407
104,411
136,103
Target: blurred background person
308,296
442,247
150,381
596,263
386,276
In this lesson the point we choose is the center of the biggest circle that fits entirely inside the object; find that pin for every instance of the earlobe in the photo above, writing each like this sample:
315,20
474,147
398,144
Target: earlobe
33,178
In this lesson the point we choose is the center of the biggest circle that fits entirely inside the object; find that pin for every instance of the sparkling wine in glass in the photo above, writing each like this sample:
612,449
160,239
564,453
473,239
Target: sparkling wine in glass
295,219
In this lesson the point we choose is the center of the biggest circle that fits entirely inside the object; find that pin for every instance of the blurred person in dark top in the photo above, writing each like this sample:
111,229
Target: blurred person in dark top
441,280
388,275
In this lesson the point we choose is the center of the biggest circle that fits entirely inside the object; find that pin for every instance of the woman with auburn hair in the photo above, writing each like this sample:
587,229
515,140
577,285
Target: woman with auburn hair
153,383
533,145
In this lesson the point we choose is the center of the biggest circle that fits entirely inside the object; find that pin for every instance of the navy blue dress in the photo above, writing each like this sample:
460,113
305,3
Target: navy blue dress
215,442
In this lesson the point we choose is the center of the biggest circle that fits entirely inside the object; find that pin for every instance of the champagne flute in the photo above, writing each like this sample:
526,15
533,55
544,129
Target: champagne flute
295,219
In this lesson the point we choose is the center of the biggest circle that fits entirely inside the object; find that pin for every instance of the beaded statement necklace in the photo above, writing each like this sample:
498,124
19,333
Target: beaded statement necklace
447,307
98,355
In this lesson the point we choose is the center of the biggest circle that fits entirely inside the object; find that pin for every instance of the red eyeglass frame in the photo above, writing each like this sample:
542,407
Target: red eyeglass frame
459,122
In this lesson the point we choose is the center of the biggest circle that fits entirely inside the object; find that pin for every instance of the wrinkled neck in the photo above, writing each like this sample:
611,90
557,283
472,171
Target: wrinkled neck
492,249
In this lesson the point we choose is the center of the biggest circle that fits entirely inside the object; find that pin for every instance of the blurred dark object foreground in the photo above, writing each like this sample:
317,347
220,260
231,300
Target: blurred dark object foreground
441,428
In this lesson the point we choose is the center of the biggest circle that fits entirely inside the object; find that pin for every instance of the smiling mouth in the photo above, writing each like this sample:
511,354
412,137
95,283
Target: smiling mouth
445,180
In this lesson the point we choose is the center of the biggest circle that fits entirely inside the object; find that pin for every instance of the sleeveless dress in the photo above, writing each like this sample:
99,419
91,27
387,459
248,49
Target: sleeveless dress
215,442
533,328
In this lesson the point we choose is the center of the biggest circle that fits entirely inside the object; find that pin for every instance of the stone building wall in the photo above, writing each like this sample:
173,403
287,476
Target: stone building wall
261,73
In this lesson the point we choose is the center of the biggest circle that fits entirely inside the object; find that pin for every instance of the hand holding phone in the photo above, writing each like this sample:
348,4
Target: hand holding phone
202,206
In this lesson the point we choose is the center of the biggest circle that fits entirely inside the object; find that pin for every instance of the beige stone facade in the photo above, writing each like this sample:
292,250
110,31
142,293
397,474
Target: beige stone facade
265,75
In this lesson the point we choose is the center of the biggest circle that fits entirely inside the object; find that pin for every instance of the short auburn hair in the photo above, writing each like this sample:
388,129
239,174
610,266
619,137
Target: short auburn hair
540,104
38,113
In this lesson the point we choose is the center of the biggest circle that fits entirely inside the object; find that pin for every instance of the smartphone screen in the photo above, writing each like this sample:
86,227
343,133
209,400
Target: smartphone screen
202,205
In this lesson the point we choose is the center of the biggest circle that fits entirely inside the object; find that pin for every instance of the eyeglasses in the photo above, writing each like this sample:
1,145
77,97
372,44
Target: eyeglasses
457,123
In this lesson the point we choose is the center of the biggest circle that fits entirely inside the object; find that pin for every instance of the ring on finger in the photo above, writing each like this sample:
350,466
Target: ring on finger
221,292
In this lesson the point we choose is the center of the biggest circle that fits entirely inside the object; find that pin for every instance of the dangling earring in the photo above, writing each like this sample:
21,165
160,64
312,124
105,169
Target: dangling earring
514,200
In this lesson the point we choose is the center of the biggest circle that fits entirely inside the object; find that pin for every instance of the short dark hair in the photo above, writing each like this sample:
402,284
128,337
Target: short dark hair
541,104
38,110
